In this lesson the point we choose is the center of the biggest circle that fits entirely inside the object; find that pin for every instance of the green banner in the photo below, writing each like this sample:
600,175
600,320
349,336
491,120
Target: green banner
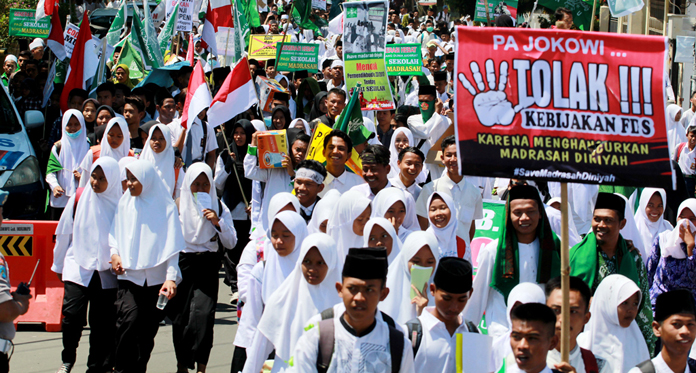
23,23
298,57
581,9
495,9
487,229
364,44
404,59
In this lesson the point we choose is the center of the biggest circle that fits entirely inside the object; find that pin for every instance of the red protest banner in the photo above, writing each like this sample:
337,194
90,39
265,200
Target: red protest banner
562,105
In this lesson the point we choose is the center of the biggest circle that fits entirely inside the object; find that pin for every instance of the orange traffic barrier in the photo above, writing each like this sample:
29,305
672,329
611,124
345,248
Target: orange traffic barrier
23,243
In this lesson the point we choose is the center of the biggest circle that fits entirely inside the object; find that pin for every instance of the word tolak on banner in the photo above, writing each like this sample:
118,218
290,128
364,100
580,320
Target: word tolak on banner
562,105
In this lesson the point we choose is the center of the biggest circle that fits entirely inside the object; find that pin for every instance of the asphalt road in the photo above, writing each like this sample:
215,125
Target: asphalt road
37,351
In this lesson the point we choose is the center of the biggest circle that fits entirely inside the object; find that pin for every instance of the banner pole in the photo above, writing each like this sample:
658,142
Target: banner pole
488,18
647,17
592,21
565,276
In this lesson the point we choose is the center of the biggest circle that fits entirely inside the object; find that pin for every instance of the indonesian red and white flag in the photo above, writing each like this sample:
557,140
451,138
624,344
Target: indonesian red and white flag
190,52
56,40
46,8
236,95
198,96
83,63
219,14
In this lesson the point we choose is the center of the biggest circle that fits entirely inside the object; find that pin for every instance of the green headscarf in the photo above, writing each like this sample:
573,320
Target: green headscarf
506,272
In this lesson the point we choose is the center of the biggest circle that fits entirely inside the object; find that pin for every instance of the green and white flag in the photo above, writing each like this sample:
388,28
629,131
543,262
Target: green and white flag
132,57
241,30
251,12
167,33
150,37
119,23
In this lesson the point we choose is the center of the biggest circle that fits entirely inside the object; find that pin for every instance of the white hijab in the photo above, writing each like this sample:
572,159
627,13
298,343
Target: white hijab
340,227
323,210
389,196
622,348
106,149
393,153
524,292
91,222
398,302
387,226
277,267
146,230
630,230
124,148
647,229
676,134
305,125
670,242
72,152
447,236
278,202
196,228
122,163
296,301
164,161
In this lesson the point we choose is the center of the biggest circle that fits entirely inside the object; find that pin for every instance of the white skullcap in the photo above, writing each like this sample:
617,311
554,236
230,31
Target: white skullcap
284,16
36,43
336,64
11,57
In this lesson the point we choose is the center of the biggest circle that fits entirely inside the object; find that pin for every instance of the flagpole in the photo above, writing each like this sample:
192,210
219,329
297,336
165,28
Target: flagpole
52,58
236,174
565,276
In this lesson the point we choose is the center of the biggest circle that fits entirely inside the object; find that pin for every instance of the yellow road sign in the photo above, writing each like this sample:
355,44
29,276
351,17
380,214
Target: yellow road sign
16,245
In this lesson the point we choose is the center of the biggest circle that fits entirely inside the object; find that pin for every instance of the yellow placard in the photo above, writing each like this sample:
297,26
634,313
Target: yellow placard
263,47
316,149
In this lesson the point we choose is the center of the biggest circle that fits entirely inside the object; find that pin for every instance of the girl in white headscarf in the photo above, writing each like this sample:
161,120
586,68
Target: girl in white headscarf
160,153
399,208
348,221
125,161
81,259
442,214
145,241
649,217
676,134
612,333
301,124
307,291
204,222
419,249
380,232
322,212
672,262
287,232
63,172
525,292
254,252
113,144
401,139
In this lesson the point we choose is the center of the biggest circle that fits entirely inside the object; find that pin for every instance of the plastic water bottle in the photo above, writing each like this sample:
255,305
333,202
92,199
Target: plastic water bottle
162,300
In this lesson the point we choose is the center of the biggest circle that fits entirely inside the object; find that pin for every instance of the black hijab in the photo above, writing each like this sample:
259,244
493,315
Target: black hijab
232,195
90,125
286,113
315,112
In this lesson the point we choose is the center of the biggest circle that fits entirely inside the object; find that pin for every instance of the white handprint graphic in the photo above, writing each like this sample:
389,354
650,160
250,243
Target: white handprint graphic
492,107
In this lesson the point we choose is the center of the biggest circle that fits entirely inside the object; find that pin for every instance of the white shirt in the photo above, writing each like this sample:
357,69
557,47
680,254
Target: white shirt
466,196
687,161
226,234
277,180
365,354
195,130
437,351
660,366
65,264
167,271
686,118
554,357
489,300
414,189
343,183
365,189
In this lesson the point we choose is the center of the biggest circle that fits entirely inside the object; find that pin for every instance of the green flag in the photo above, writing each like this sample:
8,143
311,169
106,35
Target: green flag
302,12
351,120
150,38
241,31
251,12
132,57
167,33
119,23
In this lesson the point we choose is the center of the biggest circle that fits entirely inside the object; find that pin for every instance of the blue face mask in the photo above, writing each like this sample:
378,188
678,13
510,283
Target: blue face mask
74,135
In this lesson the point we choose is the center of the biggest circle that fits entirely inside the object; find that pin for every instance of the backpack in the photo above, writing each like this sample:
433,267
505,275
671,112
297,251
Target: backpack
415,333
648,367
327,339
589,360
677,154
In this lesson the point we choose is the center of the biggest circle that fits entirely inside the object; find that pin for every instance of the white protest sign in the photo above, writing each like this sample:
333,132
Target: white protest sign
319,4
184,20
70,38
